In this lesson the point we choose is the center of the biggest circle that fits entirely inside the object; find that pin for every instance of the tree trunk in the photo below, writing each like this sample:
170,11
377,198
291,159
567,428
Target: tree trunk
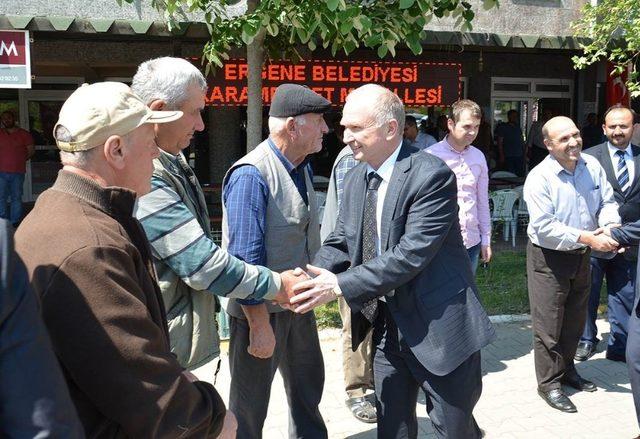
255,60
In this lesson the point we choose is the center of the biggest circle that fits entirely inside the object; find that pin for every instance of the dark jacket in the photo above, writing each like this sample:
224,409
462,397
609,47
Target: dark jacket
34,400
435,304
629,203
90,263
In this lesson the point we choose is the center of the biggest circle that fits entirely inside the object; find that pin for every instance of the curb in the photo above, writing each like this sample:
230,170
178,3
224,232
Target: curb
510,318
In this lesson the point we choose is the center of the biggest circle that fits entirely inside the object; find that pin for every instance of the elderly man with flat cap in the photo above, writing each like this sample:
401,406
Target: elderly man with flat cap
90,262
270,218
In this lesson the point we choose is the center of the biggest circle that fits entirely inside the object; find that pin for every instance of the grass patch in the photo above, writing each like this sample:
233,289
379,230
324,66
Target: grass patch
328,315
503,283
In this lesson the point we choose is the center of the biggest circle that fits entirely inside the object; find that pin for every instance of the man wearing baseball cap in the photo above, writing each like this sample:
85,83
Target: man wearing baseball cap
270,218
90,263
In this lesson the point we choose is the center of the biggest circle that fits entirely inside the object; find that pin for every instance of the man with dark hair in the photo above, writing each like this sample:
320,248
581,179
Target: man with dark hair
415,135
16,147
591,132
511,144
472,178
618,157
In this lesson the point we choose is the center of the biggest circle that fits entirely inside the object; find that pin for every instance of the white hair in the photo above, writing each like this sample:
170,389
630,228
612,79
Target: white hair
79,159
167,79
386,105
277,124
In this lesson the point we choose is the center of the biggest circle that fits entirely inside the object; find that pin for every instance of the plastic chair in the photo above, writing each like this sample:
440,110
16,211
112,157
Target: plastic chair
505,211
521,211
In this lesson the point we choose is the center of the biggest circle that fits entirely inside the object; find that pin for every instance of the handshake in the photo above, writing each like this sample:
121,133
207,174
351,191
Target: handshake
601,240
300,292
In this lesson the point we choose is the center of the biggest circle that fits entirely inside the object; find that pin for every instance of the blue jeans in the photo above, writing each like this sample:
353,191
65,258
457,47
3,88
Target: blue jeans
11,187
474,255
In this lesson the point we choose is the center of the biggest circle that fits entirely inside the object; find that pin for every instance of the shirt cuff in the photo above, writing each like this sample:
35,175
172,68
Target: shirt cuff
337,290
572,235
485,240
274,288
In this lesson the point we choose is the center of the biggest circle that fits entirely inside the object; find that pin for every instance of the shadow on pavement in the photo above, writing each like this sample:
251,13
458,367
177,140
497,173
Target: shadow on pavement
514,340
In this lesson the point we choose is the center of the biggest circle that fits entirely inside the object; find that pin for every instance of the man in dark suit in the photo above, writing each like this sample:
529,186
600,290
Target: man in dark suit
409,274
629,234
621,162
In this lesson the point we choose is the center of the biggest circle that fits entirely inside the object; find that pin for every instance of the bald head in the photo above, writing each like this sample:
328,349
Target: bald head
562,139
373,118
554,124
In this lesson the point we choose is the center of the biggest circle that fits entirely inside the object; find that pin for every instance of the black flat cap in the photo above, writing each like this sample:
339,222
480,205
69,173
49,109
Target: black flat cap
292,100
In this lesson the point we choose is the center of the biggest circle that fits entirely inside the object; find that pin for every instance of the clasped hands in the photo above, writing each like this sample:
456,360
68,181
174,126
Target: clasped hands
301,291
601,240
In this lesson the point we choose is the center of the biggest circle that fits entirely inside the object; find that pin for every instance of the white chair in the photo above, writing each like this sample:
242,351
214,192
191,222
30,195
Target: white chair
503,174
521,212
505,210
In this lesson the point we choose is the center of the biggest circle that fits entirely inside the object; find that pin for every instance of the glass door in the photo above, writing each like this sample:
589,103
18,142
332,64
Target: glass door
39,115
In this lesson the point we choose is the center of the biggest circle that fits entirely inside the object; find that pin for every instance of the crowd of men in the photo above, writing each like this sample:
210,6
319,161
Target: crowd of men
120,255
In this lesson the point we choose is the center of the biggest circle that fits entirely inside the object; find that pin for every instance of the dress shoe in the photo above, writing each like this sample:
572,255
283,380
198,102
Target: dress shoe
579,383
615,357
558,400
585,350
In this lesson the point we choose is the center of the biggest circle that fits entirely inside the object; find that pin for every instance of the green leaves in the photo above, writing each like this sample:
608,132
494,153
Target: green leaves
337,25
611,32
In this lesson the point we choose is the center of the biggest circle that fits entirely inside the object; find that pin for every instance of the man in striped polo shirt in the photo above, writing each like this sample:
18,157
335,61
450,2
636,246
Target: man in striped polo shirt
192,269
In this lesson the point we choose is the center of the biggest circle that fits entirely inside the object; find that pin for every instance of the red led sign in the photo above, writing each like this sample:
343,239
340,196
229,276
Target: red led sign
417,83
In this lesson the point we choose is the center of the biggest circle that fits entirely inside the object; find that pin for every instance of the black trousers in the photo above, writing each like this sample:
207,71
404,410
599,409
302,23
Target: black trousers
399,376
633,359
558,284
298,356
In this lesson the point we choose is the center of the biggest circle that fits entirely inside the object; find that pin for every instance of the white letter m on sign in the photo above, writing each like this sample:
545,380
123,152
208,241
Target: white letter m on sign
9,50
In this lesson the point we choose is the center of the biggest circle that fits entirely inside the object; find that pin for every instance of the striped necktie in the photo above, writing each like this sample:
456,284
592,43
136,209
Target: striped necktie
622,172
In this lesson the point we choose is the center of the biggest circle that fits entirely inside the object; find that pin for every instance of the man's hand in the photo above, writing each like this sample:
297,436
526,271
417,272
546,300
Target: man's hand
315,292
262,341
485,253
599,242
289,279
229,426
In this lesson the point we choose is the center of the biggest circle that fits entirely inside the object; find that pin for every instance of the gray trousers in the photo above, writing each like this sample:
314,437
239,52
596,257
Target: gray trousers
558,284
298,357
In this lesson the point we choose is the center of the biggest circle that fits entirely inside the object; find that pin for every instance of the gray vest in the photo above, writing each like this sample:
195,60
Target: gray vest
292,229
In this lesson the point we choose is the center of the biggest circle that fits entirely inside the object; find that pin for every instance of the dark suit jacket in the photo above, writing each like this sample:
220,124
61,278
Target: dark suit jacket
630,203
629,234
435,304
34,400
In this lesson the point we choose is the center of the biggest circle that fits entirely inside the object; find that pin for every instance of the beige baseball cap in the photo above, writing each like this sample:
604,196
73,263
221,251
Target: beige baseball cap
95,112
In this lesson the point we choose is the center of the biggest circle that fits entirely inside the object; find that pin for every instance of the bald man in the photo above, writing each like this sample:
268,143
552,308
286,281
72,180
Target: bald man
568,197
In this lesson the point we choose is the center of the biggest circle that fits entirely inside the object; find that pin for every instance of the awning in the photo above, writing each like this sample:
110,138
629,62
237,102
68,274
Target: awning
199,30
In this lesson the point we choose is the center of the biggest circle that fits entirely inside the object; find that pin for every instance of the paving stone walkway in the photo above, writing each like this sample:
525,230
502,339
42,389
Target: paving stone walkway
509,406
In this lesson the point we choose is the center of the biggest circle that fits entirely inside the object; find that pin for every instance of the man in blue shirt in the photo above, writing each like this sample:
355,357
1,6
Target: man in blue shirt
270,217
568,197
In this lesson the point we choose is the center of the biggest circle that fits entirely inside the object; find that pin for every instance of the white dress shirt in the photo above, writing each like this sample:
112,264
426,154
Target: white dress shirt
628,158
384,171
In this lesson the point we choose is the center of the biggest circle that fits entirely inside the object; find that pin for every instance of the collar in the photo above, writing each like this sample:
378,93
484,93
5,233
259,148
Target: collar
613,150
448,145
115,201
557,168
386,169
285,161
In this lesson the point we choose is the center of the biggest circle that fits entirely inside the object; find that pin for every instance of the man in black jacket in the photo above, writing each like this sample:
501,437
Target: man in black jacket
34,400
621,162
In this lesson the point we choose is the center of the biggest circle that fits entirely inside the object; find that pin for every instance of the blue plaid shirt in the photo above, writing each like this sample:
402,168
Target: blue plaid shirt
245,197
